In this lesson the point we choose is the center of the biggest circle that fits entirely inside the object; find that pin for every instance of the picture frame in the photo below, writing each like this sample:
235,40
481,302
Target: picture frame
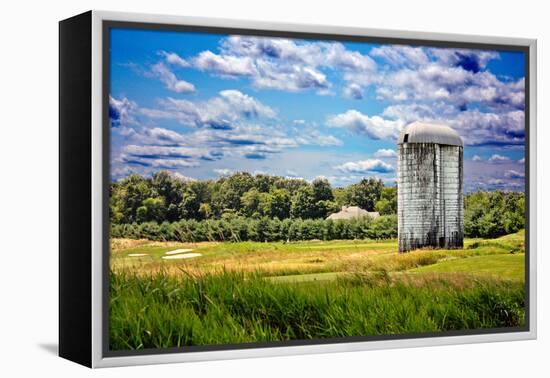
84,251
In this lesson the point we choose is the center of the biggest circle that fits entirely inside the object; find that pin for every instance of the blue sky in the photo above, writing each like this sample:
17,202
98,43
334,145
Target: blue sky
204,105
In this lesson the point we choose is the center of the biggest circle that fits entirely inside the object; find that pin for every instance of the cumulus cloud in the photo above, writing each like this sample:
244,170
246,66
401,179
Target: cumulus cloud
521,161
223,171
496,158
220,112
285,64
224,65
170,80
401,55
230,125
290,77
496,182
513,174
475,127
175,59
470,60
181,176
121,111
476,158
314,137
455,76
365,166
164,152
374,127
160,163
385,153
353,91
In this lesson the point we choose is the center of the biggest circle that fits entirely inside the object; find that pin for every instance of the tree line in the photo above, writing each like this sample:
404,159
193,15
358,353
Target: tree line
164,197
237,228
266,208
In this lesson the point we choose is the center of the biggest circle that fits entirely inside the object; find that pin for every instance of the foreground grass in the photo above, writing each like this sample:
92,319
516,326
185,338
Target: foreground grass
254,292
164,311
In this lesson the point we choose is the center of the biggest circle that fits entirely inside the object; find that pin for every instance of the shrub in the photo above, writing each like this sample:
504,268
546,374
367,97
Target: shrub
237,228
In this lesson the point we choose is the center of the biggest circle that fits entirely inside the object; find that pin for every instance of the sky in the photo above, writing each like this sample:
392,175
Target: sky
205,105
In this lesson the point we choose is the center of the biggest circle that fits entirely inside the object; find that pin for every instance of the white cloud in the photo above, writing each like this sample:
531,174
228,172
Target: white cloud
163,152
223,171
221,112
456,76
175,59
121,111
514,174
521,161
336,55
159,135
374,127
473,60
314,137
496,158
157,163
170,80
354,91
365,166
474,126
400,55
385,153
286,64
182,177
476,158
224,65
289,77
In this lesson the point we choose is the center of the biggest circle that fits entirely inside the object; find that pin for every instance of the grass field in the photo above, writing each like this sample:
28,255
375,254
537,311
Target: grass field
249,292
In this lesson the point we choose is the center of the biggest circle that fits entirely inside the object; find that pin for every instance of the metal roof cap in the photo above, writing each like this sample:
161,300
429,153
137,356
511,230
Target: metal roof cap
420,132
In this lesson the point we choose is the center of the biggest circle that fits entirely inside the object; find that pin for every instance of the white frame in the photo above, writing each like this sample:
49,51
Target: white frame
97,173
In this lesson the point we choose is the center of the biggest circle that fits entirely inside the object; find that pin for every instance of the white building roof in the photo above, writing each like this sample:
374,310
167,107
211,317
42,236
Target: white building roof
352,212
420,132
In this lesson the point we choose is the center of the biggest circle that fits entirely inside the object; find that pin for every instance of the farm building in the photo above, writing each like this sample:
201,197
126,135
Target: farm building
352,212
430,204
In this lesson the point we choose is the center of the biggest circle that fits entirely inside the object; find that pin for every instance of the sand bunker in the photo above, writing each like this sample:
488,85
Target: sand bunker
137,254
182,256
178,251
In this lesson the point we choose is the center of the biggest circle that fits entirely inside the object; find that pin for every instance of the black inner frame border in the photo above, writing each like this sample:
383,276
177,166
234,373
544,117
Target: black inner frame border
107,25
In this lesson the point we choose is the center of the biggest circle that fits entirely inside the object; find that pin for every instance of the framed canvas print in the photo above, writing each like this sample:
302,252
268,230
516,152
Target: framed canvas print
236,189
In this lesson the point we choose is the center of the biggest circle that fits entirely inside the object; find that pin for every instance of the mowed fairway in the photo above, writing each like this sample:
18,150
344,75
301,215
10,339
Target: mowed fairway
249,291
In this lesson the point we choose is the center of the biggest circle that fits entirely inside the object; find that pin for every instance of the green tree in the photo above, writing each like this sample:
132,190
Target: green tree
387,204
134,189
365,194
303,203
205,210
155,209
279,204
189,205
250,203
322,191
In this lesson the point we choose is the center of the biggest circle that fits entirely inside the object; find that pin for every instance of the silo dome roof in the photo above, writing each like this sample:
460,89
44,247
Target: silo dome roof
420,132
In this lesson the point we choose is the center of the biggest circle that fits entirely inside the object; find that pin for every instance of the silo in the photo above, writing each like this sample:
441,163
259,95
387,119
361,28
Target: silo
430,204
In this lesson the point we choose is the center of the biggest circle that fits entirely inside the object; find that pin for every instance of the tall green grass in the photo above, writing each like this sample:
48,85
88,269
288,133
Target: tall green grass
162,311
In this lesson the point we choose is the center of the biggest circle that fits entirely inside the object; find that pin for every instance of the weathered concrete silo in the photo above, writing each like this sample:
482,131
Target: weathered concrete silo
430,184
